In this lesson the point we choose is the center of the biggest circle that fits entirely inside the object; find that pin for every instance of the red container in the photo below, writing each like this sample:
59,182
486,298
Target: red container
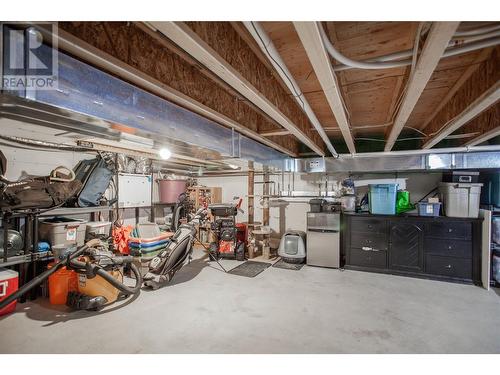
61,283
171,189
9,282
241,233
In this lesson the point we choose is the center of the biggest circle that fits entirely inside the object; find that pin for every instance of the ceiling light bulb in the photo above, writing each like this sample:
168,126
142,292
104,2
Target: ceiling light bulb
165,153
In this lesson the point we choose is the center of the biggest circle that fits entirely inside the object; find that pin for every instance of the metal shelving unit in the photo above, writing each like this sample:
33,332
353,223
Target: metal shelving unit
26,258
28,261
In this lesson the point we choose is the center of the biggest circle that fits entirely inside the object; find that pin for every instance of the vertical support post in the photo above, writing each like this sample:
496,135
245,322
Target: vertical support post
251,192
152,215
34,249
117,177
265,199
266,250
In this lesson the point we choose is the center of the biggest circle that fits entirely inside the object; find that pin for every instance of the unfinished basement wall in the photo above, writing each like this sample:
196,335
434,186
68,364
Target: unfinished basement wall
418,184
24,162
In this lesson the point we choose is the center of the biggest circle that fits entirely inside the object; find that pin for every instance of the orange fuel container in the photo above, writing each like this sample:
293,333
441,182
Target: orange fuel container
60,284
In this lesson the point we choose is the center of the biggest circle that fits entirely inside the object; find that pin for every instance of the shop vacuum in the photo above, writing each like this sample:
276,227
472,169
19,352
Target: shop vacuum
100,278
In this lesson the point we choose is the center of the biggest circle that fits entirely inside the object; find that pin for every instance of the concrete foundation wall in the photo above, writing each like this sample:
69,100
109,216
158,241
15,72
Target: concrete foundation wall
418,184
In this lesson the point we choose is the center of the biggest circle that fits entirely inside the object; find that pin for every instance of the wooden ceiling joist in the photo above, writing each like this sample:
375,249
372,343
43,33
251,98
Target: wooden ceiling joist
127,51
476,95
484,137
181,34
437,41
487,99
310,37
458,84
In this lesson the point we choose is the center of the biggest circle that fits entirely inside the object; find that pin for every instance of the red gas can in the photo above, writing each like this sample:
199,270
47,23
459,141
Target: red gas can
8,285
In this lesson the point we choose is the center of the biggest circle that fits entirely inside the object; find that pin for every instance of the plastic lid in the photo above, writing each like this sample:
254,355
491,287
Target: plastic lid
461,184
96,224
6,273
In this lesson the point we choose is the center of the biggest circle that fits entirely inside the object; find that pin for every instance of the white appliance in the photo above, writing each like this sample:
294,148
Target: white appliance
293,247
323,239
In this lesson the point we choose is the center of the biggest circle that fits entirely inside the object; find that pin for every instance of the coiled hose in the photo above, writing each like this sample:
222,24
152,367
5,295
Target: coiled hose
97,270
76,264
40,278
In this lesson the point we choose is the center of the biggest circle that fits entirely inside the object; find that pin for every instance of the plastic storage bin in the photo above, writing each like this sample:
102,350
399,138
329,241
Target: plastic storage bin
460,200
461,176
428,209
62,231
169,190
382,199
95,228
9,282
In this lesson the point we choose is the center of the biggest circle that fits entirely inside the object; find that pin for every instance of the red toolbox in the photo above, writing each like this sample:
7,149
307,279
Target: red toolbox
8,285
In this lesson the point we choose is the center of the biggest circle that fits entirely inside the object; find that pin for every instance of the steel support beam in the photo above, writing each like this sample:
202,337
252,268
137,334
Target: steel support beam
103,60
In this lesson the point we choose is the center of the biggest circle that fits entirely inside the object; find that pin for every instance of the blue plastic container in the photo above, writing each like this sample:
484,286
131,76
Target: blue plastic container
382,199
428,209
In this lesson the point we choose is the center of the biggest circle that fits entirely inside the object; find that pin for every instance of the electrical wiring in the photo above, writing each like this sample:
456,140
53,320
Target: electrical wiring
297,93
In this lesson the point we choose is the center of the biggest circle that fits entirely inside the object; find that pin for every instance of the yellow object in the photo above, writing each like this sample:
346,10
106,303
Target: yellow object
97,286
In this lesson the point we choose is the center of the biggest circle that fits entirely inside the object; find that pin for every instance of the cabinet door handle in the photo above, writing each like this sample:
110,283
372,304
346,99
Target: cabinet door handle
448,266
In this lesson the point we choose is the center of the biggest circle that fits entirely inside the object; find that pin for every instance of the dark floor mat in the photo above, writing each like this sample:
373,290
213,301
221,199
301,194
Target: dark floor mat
288,266
249,269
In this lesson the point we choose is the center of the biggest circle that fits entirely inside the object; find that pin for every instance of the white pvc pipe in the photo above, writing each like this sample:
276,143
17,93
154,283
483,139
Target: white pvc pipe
478,31
452,51
355,63
268,48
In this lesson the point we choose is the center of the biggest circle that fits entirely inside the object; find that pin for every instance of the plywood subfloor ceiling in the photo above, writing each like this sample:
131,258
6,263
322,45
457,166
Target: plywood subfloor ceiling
372,96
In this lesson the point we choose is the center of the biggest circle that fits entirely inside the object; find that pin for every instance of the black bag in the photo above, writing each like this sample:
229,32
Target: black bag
37,192
95,176
3,164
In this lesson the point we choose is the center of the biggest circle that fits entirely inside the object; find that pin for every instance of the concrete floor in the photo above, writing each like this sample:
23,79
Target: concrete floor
314,310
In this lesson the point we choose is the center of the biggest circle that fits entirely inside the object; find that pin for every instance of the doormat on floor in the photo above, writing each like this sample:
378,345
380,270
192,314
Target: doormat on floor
288,266
249,269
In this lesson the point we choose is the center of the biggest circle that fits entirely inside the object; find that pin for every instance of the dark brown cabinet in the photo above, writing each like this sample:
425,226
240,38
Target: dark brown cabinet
430,247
